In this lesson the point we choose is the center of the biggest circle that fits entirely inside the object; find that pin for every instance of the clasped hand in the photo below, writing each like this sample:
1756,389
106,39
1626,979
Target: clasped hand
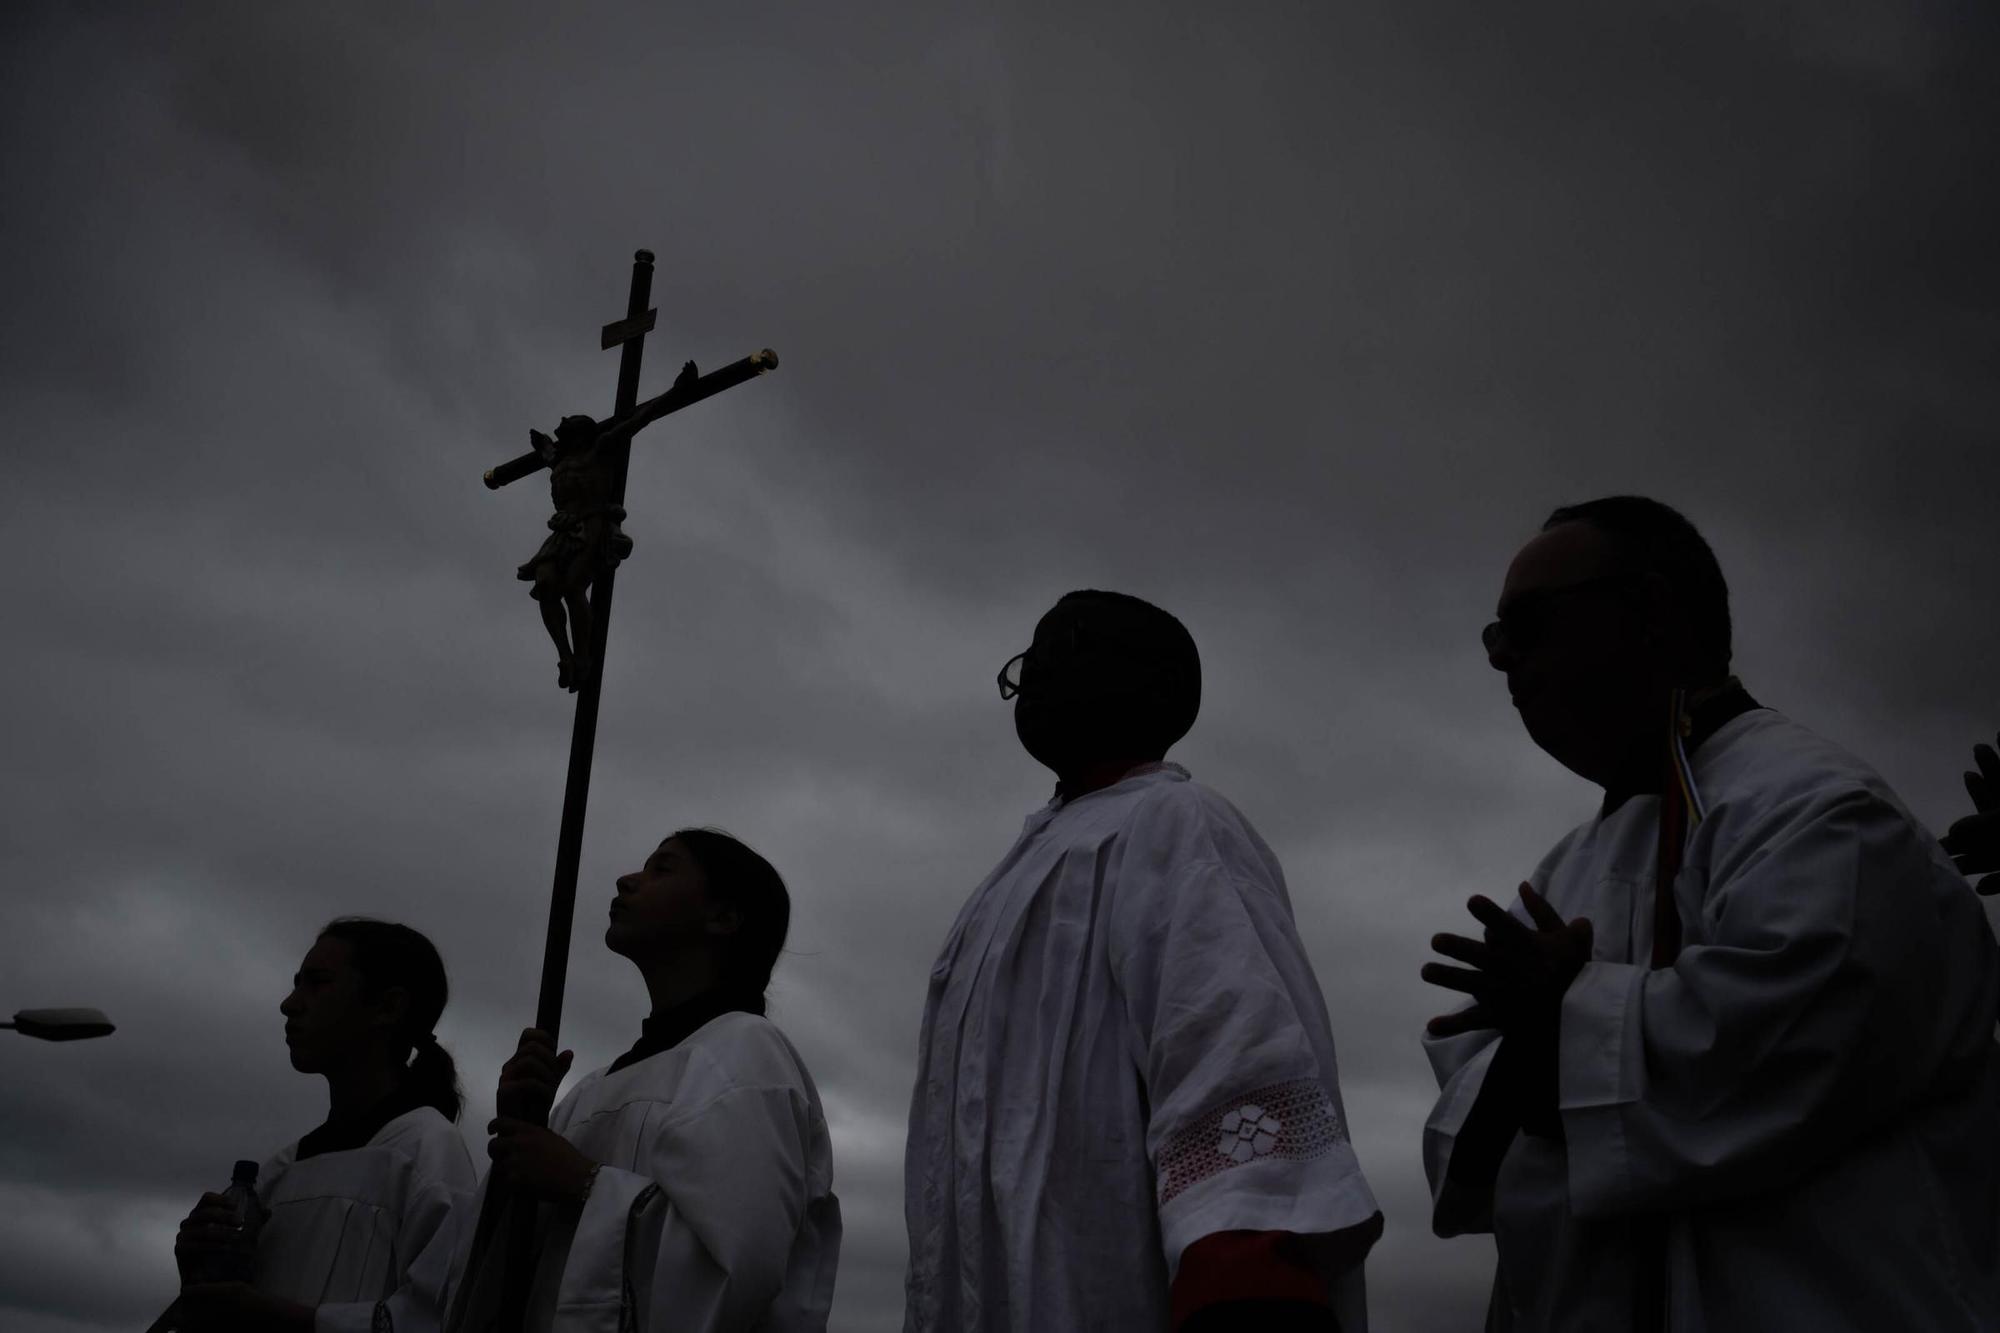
1517,975
1974,841
527,1155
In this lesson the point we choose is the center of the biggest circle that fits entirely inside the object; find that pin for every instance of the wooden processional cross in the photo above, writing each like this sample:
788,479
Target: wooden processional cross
587,461
573,574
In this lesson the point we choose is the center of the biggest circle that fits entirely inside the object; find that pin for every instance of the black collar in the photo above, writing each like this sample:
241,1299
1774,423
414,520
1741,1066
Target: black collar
664,1031
344,1133
1711,711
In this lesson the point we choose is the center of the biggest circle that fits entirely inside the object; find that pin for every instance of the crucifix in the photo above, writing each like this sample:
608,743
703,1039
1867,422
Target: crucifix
572,575
574,571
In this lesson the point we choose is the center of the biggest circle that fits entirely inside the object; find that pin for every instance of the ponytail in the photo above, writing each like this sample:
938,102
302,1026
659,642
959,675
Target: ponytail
432,1077
387,954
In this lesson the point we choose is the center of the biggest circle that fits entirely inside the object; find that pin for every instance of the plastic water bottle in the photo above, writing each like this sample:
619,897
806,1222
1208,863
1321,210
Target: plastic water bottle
239,1260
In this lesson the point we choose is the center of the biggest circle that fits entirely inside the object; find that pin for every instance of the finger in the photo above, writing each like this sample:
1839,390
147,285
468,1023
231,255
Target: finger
541,1062
538,1075
530,1090
1984,791
537,1038
535,1057
1988,886
1463,949
1455,978
1971,830
1499,923
1988,760
1465,1020
566,1058
1544,916
539,1083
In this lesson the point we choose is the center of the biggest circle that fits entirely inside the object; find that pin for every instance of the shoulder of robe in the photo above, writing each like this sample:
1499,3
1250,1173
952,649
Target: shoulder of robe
1192,821
433,1144
276,1165
1175,827
1776,769
749,1051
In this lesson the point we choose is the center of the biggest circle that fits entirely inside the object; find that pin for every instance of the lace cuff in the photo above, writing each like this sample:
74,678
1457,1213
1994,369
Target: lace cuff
1293,1122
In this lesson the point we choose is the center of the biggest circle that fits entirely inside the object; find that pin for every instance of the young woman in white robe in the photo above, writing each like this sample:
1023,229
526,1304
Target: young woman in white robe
349,1205
689,1185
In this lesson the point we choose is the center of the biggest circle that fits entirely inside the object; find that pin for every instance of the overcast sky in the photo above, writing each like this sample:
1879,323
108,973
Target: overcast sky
1293,318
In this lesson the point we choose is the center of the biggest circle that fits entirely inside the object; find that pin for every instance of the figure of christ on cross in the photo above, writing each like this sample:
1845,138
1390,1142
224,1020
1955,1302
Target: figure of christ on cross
584,535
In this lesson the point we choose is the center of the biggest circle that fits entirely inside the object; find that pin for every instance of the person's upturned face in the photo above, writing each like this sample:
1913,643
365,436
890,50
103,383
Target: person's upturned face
662,910
1074,674
1578,653
328,1016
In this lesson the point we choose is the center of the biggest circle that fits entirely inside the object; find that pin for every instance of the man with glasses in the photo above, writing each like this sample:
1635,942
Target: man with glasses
1127,1113
1729,1061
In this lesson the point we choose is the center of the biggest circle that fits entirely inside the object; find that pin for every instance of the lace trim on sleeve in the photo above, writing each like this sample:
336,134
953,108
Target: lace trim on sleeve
1293,1122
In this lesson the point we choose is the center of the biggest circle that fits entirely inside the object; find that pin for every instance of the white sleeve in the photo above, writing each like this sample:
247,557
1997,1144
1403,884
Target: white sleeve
418,1305
1836,977
698,1242
1460,1064
1245,1127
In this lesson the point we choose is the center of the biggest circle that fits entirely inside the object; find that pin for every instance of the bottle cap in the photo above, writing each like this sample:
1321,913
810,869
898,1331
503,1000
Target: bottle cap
245,1173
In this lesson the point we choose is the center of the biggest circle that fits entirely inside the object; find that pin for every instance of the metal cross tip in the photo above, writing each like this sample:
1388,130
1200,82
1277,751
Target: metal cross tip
643,257
765,360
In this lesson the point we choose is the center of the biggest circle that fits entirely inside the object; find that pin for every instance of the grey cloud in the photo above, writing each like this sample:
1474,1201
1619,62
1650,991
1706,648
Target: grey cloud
1295,320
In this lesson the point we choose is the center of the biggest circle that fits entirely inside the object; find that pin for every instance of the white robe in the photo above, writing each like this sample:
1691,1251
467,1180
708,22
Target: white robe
1809,1096
344,1226
713,1210
1124,1050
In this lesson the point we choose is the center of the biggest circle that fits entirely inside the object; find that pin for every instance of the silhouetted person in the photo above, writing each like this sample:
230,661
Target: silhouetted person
1127,1113
350,1203
1974,841
1730,1062
688,1187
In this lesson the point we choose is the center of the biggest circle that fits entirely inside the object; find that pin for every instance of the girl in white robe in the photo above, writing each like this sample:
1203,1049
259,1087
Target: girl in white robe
686,1187
348,1206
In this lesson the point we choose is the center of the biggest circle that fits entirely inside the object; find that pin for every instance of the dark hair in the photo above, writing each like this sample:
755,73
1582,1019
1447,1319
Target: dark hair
1653,538
1170,700
740,878
387,954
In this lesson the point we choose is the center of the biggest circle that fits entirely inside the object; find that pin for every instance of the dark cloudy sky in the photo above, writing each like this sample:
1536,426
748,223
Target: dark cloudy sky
1295,318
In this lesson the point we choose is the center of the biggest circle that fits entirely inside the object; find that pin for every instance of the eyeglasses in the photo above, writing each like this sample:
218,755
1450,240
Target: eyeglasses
1528,620
1010,675
1159,678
